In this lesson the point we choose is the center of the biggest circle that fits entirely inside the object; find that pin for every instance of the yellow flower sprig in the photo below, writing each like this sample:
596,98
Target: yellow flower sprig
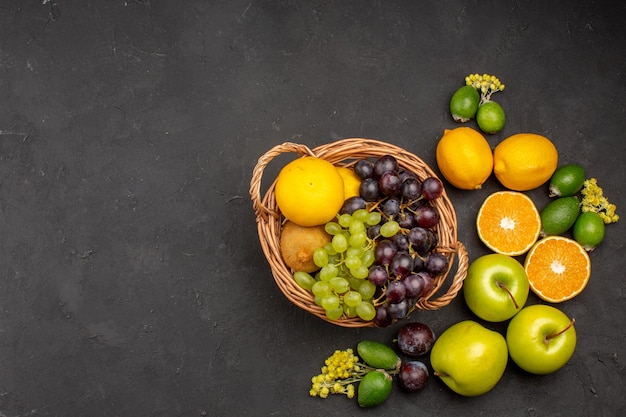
486,84
593,199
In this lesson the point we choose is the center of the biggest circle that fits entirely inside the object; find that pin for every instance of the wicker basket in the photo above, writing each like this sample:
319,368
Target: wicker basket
346,152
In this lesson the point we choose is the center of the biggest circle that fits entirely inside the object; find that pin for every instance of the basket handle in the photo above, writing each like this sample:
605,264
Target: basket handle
255,182
455,286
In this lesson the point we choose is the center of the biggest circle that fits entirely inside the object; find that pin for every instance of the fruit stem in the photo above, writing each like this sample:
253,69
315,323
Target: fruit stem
501,285
440,374
553,335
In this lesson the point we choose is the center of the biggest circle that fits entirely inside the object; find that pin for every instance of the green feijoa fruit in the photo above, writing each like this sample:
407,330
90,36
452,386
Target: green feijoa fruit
374,388
567,180
378,355
589,230
490,117
559,215
464,103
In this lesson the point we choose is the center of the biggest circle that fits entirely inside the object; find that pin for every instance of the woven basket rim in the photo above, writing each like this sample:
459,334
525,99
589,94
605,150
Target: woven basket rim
345,152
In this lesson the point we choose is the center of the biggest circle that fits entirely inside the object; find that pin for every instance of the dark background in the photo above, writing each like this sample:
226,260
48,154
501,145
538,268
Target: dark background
132,282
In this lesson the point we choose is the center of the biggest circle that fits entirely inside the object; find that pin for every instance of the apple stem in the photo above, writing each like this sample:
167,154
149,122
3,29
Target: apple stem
501,285
553,335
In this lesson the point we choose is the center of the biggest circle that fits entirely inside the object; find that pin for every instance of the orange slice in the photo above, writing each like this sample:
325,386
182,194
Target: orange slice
558,268
508,222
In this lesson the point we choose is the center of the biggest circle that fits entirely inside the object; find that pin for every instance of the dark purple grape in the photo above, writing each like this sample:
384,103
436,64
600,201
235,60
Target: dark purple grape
419,239
436,263
418,263
378,275
352,204
401,242
386,163
398,310
382,317
406,174
413,376
401,265
426,216
405,220
395,292
391,207
411,189
432,188
415,339
373,231
433,238
384,252
414,285
364,169
428,282
369,190
390,184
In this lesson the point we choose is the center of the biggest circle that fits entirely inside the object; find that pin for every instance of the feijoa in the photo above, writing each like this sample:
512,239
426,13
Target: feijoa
374,388
567,180
378,355
464,103
490,117
589,230
559,215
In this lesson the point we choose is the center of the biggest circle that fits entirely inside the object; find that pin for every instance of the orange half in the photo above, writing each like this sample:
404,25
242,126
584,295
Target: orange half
508,223
558,268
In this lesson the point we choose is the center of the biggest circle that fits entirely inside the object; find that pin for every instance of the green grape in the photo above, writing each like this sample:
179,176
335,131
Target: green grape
304,280
367,289
355,283
368,258
345,220
352,298
361,215
332,228
390,228
320,257
340,285
352,251
356,226
328,272
329,249
321,288
352,262
340,243
349,312
358,239
366,311
361,272
335,313
330,301
318,300
373,218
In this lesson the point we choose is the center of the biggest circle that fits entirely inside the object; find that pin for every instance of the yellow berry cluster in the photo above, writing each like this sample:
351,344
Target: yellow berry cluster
485,83
339,374
594,200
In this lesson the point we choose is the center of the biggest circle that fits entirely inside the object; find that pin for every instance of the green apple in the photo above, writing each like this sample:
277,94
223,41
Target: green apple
469,358
496,287
541,339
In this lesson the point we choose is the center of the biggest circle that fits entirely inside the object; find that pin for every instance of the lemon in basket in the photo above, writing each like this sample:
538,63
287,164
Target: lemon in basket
309,191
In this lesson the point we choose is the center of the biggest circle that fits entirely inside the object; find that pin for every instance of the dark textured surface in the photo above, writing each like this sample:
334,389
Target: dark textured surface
131,278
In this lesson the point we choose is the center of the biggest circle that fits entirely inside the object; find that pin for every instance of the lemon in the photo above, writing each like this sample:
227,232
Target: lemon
378,355
490,117
524,161
464,103
464,157
567,180
374,388
351,182
309,191
559,215
589,230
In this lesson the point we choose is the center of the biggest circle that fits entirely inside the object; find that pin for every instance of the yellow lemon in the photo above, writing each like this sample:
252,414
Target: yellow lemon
464,158
309,191
351,182
524,161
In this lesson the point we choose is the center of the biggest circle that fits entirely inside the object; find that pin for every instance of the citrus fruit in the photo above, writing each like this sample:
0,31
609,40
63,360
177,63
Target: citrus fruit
589,230
374,388
464,103
464,157
559,215
297,244
351,182
490,117
309,191
378,355
508,223
567,180
558,268
524,161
